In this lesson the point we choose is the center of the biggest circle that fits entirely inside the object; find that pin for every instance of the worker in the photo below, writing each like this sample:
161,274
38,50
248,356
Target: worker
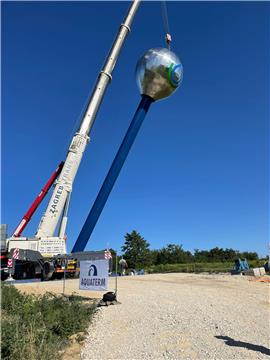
123,266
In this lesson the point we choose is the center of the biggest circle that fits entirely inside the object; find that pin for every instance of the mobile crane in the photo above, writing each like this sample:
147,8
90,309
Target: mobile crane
5,262
159,74
44,254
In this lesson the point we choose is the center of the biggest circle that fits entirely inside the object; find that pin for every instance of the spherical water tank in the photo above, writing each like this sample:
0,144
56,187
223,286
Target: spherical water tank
159,73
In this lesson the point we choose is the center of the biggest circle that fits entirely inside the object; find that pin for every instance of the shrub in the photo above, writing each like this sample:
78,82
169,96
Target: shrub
191,268
37,327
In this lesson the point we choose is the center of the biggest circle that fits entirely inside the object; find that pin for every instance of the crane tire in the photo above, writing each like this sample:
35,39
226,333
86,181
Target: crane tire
47,271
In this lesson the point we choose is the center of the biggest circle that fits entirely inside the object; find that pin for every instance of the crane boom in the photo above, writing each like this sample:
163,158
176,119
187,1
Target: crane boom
27,217
64,183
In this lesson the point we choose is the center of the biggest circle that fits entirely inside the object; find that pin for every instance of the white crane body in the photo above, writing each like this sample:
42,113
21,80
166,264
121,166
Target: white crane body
64,183
45,241
62,188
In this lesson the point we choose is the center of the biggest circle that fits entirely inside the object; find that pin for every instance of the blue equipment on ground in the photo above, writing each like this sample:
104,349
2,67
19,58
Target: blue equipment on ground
240,265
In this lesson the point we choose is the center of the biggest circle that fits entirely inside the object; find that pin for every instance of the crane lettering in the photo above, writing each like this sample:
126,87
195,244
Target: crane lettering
56,198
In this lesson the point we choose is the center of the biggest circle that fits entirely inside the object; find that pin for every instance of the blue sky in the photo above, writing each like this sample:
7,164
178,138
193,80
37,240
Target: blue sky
197,174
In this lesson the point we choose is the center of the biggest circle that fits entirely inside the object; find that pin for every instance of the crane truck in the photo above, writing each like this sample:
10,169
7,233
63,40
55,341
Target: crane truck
45,253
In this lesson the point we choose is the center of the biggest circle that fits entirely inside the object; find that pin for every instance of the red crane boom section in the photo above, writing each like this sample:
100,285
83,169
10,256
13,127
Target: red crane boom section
36,203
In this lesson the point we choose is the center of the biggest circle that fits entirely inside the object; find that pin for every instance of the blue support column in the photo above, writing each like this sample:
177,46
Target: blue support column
112,175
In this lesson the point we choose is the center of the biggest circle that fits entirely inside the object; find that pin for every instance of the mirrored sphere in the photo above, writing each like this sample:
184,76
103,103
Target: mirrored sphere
159,73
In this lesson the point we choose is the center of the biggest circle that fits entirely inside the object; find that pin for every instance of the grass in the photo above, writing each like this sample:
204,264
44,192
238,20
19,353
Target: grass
38,327
213,267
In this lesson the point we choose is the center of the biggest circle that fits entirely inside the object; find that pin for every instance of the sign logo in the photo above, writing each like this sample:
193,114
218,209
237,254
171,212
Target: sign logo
175,74
92,270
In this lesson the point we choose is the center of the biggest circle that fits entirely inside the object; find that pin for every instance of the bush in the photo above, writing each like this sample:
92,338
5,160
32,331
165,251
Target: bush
191,268
256,263
37,327
197,267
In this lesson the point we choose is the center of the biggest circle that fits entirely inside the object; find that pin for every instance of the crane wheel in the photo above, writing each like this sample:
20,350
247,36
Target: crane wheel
47,271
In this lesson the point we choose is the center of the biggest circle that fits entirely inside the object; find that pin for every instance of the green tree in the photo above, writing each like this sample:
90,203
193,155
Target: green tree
173,254
249,255
136,250
154,257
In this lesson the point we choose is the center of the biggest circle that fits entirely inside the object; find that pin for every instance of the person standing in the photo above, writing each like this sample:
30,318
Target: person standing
123,266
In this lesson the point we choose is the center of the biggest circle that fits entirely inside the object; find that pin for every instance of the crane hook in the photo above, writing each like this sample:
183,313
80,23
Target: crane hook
168,40
165,18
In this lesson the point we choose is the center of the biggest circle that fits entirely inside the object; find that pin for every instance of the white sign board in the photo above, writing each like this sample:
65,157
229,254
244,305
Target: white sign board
94,275
51,246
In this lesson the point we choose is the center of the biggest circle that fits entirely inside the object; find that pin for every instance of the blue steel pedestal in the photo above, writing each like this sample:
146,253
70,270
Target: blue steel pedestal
112,175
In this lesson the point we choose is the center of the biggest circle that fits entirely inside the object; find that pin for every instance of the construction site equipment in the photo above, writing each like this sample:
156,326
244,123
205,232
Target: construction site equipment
27,217
4,253
241,266
267,266
56,205
164,11
39,254
3,234
159,73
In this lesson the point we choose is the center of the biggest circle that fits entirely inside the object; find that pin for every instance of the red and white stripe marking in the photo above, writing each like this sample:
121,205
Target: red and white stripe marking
15,254
9,263
19,228
107,254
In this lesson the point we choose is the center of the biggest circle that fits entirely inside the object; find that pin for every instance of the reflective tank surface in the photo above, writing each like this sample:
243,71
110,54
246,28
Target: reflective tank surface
159,73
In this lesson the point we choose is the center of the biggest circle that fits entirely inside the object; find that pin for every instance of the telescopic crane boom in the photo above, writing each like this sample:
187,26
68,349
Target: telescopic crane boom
64,183
45,241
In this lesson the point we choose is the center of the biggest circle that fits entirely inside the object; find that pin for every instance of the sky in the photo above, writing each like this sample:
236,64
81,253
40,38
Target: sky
197,174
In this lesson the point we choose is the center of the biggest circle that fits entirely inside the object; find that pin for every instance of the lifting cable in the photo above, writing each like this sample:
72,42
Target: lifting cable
165,18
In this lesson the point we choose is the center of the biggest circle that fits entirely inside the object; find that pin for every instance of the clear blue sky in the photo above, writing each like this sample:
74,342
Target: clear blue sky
197,174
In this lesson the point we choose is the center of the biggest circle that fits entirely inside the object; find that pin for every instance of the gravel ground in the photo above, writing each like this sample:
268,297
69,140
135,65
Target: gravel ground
175,316
182,316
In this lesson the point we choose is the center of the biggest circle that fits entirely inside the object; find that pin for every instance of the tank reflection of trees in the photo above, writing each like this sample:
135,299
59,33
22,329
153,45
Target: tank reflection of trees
157,80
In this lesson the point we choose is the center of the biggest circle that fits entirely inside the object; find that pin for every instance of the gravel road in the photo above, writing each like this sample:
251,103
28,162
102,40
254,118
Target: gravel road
175,316
183,316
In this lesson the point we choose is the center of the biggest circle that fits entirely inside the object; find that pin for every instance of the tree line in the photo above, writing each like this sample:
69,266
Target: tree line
136,251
